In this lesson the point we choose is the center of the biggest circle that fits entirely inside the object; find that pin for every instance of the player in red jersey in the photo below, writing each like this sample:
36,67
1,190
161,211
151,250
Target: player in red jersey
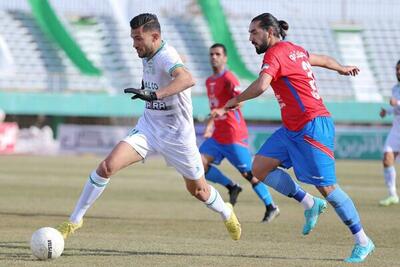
305,141
226,135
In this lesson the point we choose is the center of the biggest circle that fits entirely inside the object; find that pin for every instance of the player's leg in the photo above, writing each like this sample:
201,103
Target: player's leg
210,153
347,212
213,200
121,156
281,181
317,146
271,210
239,156
186,159
391,148
389,173
277,151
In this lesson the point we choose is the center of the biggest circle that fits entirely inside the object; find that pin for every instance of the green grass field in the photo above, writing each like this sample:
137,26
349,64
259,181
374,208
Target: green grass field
146,218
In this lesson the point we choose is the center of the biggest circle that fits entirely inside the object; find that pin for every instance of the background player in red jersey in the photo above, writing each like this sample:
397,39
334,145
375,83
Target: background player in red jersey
227,134
306,139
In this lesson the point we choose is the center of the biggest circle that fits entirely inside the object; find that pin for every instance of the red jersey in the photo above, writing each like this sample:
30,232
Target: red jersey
231,127
294,84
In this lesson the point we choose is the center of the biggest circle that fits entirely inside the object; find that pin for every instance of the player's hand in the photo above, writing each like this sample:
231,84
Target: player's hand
208,133
382,113
349,70
393,102
143,94
231,104
218,112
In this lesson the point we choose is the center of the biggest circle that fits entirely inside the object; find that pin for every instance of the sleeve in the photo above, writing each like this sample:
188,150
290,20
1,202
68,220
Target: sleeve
389,111
270,65
232,84
171,60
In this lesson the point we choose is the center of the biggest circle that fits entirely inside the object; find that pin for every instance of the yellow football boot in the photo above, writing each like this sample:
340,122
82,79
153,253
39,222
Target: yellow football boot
233,225
67,228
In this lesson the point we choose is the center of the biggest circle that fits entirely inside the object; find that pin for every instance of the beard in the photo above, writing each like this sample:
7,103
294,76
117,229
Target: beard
144,53
262,48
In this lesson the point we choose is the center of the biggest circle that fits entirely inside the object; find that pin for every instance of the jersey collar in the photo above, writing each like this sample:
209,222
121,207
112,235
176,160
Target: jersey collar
158,50
216,76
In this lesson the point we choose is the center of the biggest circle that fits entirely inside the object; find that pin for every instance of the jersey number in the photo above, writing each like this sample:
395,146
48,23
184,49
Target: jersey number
307,67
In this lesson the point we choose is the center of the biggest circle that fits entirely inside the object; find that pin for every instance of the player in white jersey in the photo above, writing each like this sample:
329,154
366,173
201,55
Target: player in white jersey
166,127
392,144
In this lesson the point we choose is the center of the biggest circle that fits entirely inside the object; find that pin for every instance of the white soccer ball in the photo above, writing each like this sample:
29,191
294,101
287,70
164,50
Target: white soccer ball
47,243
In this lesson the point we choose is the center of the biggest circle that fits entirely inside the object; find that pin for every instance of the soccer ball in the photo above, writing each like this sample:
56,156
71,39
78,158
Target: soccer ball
47,243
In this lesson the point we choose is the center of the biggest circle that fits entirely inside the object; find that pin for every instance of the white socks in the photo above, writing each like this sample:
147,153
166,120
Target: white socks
307,202
390,180
361,238
216,203
92,190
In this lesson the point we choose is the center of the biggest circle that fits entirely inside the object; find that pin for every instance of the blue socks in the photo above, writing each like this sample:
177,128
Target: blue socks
284,184
345,208
216,176
263,193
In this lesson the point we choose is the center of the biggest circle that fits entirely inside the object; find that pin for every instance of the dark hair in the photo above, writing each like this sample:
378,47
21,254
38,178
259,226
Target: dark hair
267,20
220,45
398,63
147,20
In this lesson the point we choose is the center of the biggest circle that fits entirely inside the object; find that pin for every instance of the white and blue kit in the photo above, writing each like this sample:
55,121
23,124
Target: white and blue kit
392,143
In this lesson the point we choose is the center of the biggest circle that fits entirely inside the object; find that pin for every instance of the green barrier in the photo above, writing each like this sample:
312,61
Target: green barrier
50,24
119,105
217,22
360,145
364,144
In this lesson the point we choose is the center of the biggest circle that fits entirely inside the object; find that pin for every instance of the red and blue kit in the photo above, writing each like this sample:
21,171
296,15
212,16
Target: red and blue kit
306,139
230,128
294,84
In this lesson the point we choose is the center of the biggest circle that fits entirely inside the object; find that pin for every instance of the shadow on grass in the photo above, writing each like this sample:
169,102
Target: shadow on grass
35,214
77,252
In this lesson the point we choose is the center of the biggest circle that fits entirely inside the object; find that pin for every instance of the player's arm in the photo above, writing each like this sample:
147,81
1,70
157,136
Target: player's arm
208,131
182,81
255,89
390,110
331,63
394,102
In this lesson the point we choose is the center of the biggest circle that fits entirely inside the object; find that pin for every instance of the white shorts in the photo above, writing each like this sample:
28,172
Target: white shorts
392,143
184,157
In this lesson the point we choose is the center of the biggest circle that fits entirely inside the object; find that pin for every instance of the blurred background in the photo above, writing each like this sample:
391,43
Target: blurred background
64,64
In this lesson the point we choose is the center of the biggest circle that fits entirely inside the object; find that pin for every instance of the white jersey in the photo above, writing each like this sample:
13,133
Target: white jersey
396,94
173,115
166,126
393,139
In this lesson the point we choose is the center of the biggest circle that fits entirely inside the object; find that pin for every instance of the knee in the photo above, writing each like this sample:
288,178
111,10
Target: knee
105,169
249,177
198,192
326,190
388,160
206,163
191,189
259,171
206,167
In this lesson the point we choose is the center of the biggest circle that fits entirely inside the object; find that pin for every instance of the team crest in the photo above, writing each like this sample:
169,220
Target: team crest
264,66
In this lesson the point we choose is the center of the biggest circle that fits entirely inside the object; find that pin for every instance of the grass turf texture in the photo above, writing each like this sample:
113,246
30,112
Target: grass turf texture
146,218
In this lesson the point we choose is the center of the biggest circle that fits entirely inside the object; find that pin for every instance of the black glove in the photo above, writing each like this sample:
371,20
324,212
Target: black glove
143,94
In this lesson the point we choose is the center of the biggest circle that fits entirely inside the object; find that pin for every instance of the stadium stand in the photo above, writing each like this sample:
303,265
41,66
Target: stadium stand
42,66
384,51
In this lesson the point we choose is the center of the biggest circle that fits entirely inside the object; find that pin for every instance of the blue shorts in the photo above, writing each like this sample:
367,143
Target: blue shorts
238,155
309,151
